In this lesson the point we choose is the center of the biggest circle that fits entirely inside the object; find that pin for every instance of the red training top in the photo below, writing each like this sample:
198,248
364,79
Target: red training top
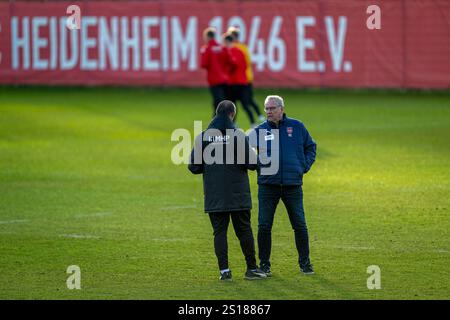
216,58
237,73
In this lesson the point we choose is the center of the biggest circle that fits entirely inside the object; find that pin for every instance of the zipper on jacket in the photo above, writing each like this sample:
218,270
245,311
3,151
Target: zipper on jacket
281,159
281,155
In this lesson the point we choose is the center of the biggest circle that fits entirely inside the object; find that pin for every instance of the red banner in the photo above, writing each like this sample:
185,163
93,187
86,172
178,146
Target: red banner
330,43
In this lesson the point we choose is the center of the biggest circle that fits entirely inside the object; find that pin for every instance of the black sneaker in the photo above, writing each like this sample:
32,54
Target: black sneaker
226,276
266,270
307,269
256,274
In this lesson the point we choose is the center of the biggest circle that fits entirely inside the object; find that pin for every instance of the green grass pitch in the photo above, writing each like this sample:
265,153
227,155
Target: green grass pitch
86,179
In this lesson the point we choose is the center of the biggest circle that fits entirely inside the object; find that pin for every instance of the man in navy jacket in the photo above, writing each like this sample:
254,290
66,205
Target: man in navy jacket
287,142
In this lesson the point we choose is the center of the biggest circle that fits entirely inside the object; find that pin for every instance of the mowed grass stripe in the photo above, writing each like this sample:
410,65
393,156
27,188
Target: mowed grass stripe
377,195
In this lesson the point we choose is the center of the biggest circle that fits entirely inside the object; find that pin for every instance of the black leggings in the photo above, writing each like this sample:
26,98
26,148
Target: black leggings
242,93
219,93
243,230
252,100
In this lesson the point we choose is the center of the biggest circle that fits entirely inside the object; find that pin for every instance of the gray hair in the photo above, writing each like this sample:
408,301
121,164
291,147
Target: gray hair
278,100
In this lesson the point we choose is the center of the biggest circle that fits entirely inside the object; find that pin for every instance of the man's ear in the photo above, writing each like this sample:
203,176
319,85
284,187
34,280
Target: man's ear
232,115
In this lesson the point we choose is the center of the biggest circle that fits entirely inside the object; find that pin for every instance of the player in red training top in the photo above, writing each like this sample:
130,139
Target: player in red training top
238,80
216,58
235,32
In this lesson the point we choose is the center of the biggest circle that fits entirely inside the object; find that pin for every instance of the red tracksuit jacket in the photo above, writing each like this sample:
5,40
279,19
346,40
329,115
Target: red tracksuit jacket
237,72
216,58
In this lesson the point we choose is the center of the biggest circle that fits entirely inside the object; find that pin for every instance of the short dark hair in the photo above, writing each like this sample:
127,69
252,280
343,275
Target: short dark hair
234,32
210,32
225,108
227,37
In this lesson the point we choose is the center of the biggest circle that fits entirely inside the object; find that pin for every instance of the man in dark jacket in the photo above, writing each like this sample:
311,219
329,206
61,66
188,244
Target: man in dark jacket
289,144
223,155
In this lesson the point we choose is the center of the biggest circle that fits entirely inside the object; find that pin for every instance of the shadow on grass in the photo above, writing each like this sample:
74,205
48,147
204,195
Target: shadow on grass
295,287
315,287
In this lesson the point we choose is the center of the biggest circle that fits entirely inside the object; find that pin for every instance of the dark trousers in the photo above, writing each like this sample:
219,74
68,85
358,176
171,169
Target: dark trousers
292,197
242,93
243,230
253,103
219,93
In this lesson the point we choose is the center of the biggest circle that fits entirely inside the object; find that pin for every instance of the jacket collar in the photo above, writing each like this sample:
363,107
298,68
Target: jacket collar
221,122
212,42
282,121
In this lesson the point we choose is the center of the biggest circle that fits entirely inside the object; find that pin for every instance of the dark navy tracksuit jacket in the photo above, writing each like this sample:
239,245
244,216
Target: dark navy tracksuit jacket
297,151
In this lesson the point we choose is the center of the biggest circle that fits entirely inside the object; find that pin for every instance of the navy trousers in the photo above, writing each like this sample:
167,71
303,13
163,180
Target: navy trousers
292,197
